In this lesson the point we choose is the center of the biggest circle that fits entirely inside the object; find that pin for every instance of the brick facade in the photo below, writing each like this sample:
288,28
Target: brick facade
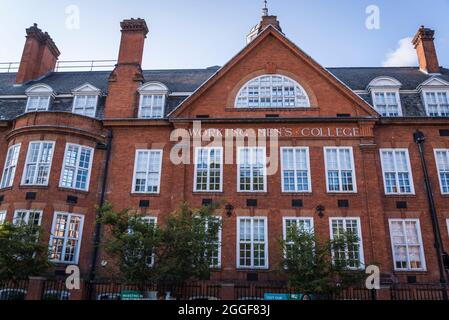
269,53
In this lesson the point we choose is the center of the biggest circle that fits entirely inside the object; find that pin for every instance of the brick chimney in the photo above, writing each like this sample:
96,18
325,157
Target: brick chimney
425,48
127,77
39,55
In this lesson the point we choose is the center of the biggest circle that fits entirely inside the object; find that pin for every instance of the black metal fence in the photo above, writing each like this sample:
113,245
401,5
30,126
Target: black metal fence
14,290
257,291
55,289
109,290
419,292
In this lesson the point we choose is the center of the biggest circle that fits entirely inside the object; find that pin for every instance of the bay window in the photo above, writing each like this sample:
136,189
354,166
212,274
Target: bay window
66,235
9,171
76,167
38,163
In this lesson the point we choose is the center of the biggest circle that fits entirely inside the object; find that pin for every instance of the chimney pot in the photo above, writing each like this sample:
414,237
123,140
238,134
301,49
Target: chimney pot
425,49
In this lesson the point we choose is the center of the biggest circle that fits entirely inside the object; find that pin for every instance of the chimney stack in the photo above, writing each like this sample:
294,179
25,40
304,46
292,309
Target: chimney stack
39,57
134,32
425,48
127,77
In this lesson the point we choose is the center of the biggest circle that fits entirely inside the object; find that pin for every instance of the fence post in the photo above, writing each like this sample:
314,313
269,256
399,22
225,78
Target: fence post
227,291
35,288
81,293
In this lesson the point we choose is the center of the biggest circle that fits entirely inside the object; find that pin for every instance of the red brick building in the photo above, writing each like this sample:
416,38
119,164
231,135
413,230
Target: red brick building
346,151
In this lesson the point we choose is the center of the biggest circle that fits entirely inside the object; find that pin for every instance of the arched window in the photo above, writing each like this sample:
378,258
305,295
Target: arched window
152,100
39,97
272,91
385,95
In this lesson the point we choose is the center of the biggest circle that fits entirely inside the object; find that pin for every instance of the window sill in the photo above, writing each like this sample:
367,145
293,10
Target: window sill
399,196
210,193
33,187
152,195
279,109
6,189
68,190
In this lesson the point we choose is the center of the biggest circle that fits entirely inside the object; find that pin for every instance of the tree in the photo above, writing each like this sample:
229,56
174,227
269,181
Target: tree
316,267
22,254
132,243
188,244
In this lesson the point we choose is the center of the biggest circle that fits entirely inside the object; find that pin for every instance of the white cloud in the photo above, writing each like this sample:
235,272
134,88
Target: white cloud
403,56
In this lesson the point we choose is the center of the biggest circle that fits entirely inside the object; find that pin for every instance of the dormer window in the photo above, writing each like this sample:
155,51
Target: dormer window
435,93
385,95
272,91
85,100
152,101
39,98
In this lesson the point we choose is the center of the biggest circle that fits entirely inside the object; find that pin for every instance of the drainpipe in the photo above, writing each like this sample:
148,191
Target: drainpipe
420,139
97,231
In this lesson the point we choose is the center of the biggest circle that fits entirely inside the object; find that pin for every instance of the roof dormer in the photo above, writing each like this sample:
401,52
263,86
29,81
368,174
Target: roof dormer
385,95
153,96
39,97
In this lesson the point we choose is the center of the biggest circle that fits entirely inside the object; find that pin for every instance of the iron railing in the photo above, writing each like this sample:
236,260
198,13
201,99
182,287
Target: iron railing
55,289
419,292
14,290
68,65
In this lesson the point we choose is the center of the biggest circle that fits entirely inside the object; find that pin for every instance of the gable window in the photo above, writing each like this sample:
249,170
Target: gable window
85,105
10,166
251,169
85,100
38,98
397,171
442,159
407,245
152,100
38,163
437,103
295,170
2,217
272,91
352,253
291,225
340,173
387,104
27,217
77,167
66,235
208,170
252,250
385,94
147,171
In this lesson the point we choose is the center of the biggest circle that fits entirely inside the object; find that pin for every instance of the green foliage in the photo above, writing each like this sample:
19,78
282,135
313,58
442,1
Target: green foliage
181,247
187,244
21,253
315,267
132,242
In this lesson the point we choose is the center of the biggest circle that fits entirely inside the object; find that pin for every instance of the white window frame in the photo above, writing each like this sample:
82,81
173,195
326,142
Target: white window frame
151,220
354,178
65,238
2,217
152,95
219,244
76,97
309,175
298,90
422,251
436,151
426,102
264,152
24,174
12,156
209,150
133,190
41,98
76,167
384,92
410,171
266,243
447,223
359,235
27,216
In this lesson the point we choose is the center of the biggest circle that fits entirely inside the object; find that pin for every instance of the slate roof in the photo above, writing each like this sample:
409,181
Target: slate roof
188,80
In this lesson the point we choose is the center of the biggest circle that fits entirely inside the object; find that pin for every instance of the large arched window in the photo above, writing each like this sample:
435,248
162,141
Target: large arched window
272,91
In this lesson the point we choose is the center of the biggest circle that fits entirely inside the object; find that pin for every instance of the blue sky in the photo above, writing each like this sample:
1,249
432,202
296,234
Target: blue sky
202,33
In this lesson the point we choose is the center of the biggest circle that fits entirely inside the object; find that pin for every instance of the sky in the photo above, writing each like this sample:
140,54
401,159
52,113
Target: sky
203,33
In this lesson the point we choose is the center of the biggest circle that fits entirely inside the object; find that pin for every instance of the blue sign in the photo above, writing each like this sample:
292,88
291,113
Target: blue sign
276,297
